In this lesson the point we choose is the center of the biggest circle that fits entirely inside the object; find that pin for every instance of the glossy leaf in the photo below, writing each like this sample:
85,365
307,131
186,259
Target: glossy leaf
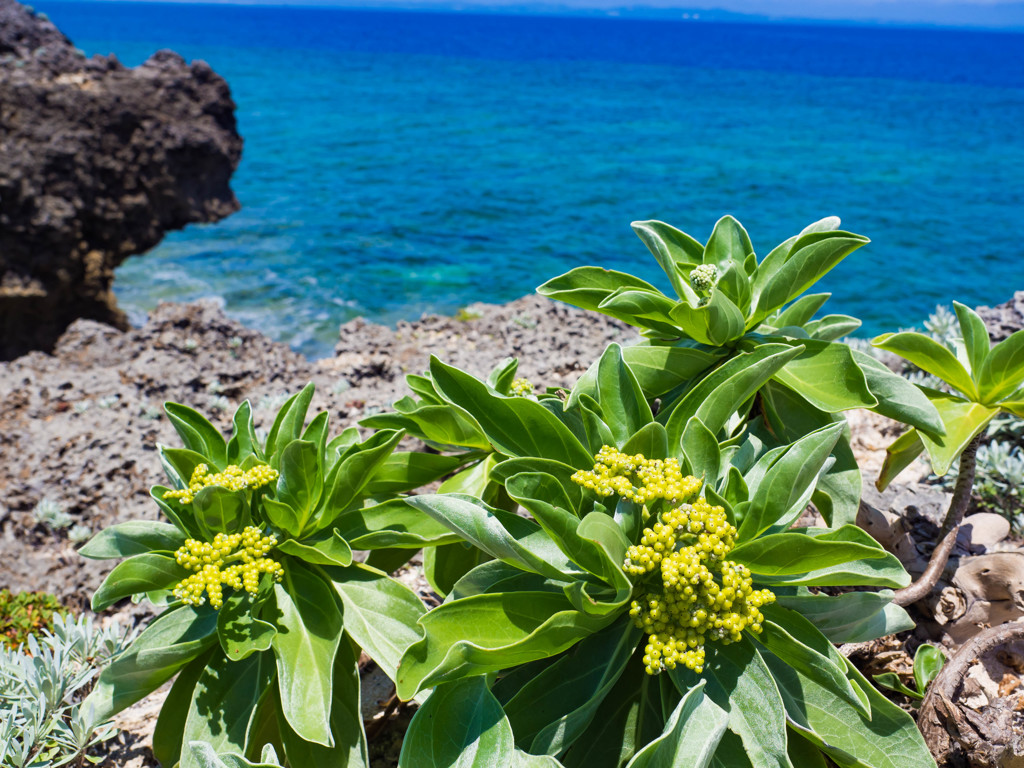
659,369
346,482
137,575
898,456
700,447
206,756
801,311
852,617
325,548
301,482
898,399
240,632
963,420
1003,370
928,662
243,442
626,409
134,537
691,735
675,251
223,703
975,334
587,287
219,510
642,308
488,633
739,682
288,422
309,627
381,614
551,711
886,739
827,376
392,524
929,355
197,433
170,642
170,725
404,471
715,323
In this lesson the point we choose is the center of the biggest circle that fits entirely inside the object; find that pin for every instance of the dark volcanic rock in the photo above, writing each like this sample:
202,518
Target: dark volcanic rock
1004,319
98,162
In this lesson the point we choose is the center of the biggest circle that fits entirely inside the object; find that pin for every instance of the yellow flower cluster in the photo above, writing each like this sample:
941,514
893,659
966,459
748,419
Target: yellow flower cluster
521,387
236,560
702,595
636,478
233,478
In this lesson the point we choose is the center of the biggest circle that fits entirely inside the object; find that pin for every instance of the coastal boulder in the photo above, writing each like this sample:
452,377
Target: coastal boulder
97,163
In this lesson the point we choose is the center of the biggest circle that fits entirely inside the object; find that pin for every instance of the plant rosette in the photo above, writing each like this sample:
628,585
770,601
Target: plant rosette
265,610
737,318
653,603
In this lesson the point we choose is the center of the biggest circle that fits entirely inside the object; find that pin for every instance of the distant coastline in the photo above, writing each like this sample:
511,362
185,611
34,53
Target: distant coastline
991,16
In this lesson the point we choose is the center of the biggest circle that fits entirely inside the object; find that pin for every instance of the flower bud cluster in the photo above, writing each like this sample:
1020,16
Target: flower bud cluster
702,596
521,387
233,478
236,560
636,478
704,277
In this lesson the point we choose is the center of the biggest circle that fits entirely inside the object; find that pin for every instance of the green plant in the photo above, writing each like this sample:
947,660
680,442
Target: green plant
51,514
622,513
999,479
266,610
928,661
42,684
983,381
23,614
736,318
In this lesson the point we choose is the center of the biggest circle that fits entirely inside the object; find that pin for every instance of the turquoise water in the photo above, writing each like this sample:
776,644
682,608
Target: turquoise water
399,163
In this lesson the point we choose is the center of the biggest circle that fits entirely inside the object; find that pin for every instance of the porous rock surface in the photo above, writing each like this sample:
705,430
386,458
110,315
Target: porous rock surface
1004,319
97,163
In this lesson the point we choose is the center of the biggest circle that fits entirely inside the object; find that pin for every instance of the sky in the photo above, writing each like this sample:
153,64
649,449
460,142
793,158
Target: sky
1007,14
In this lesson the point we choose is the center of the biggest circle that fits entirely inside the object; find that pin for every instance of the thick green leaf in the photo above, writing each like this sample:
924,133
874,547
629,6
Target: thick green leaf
629,717
551,711
898,456
309,628
801,311
898,399
197,433
789,480
439,425
660,369
405,471
135,537
797,642
963,420
1003,370
882,570
349,750
622,401
827,376
381,614
587,287
243,442
136,575
179,464
300,483
240,632
853,617
691,735
976,340
729,242
223,703
739,682
324,548
219,510
392,524
500,534
722,392
832,327
491,632
460,726
892,681
811,257
170,642
170,724
347,480
674,250
288,423
180,515
715,323
928,662
501,472
516,426
703,455
207,757
886,739
929,355
642,308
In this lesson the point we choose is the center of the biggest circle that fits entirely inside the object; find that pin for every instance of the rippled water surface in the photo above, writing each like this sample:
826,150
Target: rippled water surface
397,163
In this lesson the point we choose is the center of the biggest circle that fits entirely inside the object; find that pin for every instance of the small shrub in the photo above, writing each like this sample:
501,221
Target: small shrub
26,613
51,514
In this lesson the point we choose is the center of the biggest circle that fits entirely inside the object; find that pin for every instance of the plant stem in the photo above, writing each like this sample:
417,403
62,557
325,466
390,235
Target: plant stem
950,528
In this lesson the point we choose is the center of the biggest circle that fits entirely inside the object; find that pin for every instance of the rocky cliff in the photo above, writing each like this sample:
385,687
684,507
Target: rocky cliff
97,163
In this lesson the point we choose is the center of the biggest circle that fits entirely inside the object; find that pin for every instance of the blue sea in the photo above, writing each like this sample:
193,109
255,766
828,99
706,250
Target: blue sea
398,163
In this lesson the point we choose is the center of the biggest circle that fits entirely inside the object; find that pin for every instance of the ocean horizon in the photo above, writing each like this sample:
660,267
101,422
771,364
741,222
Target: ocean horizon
398,162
